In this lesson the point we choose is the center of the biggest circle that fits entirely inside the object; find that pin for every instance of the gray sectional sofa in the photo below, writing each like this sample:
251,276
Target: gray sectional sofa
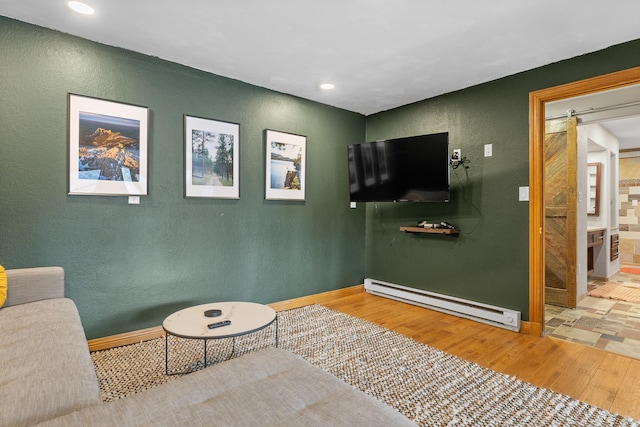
47,377
45,366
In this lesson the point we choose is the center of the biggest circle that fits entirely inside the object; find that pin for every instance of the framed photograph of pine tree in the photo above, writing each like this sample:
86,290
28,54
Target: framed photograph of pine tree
211,158
285,166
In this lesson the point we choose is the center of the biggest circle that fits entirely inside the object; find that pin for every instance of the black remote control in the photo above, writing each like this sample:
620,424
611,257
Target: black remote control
219,324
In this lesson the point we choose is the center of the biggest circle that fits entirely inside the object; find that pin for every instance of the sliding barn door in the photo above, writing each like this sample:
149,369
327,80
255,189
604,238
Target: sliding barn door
560,198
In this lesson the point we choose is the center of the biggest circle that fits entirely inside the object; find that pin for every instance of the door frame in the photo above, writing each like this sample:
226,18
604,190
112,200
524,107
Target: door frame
537,99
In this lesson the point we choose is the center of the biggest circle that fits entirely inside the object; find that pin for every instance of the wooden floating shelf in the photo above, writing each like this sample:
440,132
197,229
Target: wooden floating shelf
429,230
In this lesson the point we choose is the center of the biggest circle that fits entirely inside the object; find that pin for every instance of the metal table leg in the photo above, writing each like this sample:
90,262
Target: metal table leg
166,357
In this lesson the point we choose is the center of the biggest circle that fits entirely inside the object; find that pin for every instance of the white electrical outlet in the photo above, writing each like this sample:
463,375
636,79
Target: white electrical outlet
457,154
488,150
134,200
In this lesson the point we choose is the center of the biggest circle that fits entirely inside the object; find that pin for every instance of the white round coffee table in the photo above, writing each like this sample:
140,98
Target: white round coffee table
235,318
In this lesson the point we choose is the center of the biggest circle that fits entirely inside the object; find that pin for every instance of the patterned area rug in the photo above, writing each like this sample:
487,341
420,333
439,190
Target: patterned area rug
427,385
617,291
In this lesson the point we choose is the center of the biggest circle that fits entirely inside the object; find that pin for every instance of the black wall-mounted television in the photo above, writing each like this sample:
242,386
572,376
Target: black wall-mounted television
414,169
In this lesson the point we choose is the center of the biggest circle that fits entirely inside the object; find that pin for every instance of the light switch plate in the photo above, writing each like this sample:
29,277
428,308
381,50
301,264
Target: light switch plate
523,194
134,200
352,205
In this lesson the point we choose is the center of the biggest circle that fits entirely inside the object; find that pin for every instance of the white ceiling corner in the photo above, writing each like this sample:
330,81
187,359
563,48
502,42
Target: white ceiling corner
380,54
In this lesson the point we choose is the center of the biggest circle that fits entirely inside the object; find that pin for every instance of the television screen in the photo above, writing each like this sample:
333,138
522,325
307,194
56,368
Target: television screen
412,169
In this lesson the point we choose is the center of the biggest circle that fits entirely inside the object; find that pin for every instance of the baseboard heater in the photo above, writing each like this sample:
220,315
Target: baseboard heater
489,314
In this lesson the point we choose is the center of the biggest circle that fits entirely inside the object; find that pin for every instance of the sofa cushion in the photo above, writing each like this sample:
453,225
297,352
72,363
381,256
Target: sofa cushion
269,388
3,286
46,368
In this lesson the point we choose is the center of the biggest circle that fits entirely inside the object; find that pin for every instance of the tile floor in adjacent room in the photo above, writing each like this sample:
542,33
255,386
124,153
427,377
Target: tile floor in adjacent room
603,323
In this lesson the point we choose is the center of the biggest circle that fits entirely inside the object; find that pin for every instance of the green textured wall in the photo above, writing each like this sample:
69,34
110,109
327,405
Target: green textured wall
488,261
129,266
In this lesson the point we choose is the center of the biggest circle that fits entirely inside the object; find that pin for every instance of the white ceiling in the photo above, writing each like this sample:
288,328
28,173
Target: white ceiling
380,54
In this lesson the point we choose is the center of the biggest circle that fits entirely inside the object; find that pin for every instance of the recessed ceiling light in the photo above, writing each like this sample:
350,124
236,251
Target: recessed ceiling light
78,6
327,86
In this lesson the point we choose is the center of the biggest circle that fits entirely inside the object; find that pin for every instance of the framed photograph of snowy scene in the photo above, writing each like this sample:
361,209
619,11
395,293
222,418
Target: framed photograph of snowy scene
285,166
108,146
211,158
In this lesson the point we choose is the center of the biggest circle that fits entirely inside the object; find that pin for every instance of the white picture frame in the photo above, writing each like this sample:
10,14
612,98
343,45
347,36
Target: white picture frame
285,162
212,158
107,147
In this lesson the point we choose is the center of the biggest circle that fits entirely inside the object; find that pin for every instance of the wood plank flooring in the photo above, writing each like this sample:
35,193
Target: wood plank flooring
595,376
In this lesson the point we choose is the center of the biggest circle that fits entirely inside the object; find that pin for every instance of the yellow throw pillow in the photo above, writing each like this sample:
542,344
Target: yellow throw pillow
3,286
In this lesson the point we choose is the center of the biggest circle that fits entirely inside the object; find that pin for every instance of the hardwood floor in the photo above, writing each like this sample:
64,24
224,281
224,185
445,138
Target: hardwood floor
595,376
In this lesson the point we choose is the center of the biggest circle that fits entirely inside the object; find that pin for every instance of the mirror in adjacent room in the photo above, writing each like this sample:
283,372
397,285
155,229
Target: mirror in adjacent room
593,174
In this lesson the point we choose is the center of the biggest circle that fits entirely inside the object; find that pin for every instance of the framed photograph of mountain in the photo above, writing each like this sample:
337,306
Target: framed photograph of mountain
108,147
285,166
211,158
